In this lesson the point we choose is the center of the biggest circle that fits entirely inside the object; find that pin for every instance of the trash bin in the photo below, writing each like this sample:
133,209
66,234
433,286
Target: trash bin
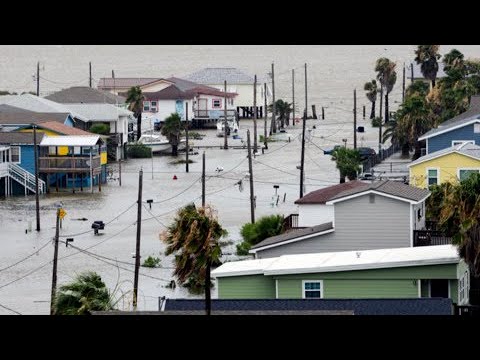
361,129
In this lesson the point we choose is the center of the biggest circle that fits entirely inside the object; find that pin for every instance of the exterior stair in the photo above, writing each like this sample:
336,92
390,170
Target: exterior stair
25,178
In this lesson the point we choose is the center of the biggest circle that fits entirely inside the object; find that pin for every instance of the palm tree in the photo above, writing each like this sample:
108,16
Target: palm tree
387,76
283,110
460,216
194,239
418,87
172,129
135,100
426,57
348,162
86,293
371,89
454,65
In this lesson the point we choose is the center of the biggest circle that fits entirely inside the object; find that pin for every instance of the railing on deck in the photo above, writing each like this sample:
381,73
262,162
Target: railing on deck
291,222
64,163
430,237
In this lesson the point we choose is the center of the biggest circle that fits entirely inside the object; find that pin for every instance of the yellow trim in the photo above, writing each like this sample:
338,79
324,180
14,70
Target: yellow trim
103,158
62,150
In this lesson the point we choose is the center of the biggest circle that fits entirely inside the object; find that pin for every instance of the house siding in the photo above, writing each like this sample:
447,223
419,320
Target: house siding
314,214
359,225
27,158
444,140
246,287
447,166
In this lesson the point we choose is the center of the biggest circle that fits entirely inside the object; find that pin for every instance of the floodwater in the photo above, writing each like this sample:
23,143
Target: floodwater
333,73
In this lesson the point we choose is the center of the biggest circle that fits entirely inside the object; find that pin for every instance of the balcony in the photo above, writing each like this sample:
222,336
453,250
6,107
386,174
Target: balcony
291,223
53,164
430,237
213,114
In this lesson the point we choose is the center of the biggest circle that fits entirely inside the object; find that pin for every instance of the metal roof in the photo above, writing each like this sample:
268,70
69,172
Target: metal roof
219,75
99,112
70,140
342,261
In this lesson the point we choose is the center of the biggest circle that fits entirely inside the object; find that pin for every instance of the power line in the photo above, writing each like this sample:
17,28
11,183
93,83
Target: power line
14,311
26,258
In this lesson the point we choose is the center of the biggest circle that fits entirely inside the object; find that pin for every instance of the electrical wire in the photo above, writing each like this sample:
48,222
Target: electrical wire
26,258
14,311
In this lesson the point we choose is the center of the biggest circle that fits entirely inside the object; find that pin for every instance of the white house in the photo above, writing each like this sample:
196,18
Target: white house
237,82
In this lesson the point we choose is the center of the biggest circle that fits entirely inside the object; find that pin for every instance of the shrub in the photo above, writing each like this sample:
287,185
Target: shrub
376,122
243,248
102,129
137,150
151,262
263,228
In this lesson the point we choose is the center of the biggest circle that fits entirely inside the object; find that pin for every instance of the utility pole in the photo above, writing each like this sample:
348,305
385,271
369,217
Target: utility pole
55,259
38,78
380,123
250,170
302,160
265,144
273,125
35,153
137,249
186,136
255,147
120,172
403,84
203,179
90,77
411,68
354,118
293,96
225,143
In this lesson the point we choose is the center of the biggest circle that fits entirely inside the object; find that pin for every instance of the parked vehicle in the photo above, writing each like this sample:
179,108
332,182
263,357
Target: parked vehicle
366,176
366,152
330,151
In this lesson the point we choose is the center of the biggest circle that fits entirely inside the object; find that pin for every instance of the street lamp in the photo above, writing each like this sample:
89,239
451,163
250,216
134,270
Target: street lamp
345,143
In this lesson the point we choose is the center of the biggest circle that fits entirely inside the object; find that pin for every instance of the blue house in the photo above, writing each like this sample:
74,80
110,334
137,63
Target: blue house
460,129
13,118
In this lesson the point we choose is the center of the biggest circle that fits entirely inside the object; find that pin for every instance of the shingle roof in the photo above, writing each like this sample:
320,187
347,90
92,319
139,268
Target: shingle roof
99,112
388,187
321,196
174,93
422,306
471,114
37,104
124,82
184,85
86,95
290,235
219,75
18,138
14,115
62,129
466,149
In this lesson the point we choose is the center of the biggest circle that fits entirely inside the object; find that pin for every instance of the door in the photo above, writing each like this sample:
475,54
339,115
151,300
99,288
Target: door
179,108
439,288
202,108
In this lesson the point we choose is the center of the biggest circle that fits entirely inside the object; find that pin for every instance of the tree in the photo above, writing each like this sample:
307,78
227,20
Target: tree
193,238
263,228
172,129
454,65
387,76
348,162
460,215
283,110
427,57
86,293
371,89
418,87
135,100
100,128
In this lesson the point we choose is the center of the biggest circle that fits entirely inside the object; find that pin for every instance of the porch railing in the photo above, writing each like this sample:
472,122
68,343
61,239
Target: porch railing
430,237
214,114
291,222
64,163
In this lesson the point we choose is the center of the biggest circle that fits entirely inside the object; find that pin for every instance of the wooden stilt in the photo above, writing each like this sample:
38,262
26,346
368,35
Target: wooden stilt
74,179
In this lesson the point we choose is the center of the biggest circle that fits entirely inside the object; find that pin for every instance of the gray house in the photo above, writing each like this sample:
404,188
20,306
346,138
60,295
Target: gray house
383,214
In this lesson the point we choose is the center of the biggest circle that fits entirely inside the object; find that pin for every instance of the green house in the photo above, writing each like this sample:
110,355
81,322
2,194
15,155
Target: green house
417,272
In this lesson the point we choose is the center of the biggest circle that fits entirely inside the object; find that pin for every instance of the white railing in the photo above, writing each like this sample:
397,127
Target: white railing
3,169
25,178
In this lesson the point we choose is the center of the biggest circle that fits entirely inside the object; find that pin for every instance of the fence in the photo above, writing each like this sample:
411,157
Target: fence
371,161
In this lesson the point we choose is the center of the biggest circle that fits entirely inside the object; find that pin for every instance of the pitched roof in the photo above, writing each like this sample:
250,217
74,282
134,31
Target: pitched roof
18,138
37,104
124,82
342,261
464,118
14,115
99,112
420,306
173,92
321,196
62,129
219,75
184,85
294,234
467,149
387,187
86,95
70,140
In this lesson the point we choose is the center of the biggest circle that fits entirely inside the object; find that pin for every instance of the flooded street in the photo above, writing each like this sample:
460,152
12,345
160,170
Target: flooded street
26,286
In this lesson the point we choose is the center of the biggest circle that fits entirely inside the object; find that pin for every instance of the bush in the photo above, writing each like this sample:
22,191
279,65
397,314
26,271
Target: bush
151,262
269,139
263,228
376,122
102,129
243,248
137,150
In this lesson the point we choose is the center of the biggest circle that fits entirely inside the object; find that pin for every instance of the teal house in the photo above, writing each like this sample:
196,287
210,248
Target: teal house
416,272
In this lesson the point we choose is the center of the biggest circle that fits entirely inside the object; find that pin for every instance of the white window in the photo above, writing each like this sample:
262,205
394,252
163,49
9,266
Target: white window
146,106
153,106
465,173
432,176
52,150
463,288
216,103
15,150
312,289
77,150
460,142
476,128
